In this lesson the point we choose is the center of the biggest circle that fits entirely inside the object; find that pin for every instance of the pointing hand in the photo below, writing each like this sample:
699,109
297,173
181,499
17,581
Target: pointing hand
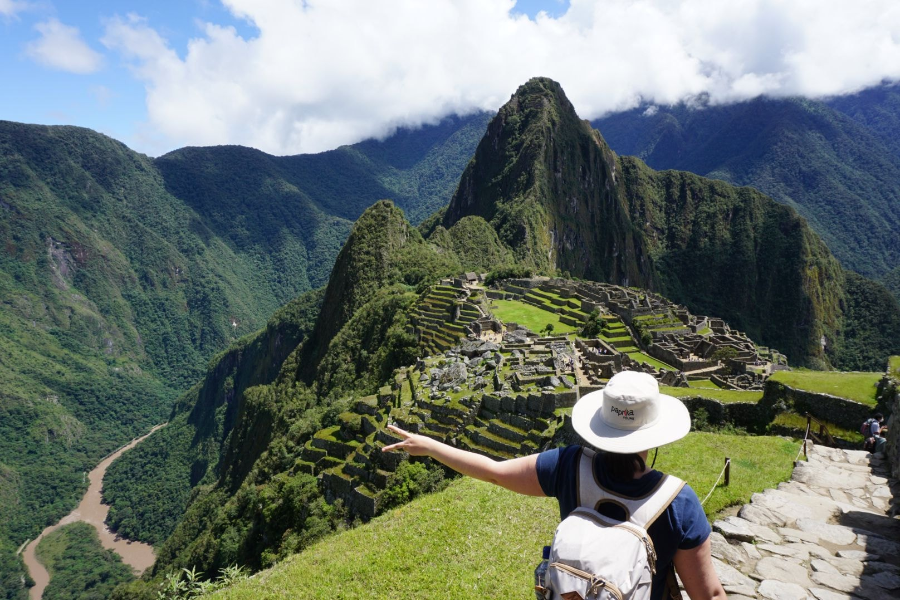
414,444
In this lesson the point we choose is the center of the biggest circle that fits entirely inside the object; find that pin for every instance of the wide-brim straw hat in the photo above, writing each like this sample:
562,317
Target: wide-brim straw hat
630,415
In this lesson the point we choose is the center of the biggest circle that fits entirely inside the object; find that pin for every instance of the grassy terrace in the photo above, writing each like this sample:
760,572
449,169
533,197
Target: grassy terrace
712,393
478,540
855,386
795,421
894,366
532,317
645,358
703,383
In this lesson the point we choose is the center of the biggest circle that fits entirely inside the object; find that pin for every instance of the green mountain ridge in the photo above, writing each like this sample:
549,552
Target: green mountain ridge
373,282
835,162
121,275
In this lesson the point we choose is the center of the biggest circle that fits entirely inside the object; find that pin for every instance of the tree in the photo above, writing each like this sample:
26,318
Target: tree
593,325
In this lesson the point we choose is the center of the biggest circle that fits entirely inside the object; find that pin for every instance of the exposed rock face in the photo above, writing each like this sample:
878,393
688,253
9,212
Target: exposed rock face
817,547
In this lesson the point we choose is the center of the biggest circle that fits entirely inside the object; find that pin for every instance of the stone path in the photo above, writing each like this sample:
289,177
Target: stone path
826,535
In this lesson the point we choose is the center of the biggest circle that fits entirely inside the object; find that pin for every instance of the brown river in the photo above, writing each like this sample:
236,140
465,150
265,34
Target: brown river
91,510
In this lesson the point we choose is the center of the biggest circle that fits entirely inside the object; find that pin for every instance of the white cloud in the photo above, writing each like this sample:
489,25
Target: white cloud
61,47
320,73
10,8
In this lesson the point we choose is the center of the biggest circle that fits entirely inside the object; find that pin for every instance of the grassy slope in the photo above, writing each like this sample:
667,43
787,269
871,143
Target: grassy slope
855,386
475,539
712,393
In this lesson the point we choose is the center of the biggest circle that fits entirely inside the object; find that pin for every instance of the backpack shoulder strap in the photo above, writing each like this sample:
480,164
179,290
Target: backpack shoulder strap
642,511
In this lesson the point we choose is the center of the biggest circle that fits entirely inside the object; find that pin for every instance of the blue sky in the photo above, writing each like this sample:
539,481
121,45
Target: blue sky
291,76
111,99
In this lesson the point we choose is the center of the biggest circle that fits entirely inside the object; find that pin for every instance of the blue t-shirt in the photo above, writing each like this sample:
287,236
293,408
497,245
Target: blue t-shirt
682,526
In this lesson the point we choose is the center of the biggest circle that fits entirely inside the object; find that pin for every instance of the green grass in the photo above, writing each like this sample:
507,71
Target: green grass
713,394
757,463
477,540
894,366
703,384
641,357
611,339
530,316
855,386
795,421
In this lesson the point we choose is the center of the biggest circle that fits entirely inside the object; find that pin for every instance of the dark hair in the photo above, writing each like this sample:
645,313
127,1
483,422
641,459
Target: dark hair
878,416
622,467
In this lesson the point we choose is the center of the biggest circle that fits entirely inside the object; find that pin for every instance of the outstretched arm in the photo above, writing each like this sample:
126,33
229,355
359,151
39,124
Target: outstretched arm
517,474
695,568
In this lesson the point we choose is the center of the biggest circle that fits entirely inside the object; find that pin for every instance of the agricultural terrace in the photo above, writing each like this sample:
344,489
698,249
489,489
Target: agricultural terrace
477,540
653,362
860,387
798,423
532,317
713,393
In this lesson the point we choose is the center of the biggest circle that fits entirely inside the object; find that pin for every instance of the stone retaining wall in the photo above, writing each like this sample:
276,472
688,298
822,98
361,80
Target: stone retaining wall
889,400
669,357
840,411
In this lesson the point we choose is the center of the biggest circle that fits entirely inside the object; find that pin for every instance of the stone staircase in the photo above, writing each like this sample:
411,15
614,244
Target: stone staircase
827,534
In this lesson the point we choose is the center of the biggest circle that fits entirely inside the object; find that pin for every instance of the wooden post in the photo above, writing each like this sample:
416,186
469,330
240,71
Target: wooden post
727,470
804,450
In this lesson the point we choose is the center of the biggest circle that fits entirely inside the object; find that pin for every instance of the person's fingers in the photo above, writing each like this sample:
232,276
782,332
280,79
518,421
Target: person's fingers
392,447
397,430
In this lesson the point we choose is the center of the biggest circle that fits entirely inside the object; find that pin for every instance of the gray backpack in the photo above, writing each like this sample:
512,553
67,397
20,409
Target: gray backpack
595,557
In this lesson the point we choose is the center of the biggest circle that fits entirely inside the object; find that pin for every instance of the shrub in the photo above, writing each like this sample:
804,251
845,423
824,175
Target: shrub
409,481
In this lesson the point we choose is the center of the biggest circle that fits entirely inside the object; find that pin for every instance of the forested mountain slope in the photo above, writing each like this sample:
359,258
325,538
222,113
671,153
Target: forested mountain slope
120,276
836,163
877,109
234,439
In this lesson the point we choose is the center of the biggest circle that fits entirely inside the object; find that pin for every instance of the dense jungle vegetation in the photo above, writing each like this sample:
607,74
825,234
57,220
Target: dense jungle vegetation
120,276
80,568
836,162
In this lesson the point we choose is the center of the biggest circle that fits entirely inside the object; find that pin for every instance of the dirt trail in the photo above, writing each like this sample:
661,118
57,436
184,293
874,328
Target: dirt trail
91,510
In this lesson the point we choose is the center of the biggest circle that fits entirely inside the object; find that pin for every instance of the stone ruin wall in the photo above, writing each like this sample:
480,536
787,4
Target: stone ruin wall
889,403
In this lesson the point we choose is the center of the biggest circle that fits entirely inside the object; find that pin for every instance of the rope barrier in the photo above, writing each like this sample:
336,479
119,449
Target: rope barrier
727,462
803,445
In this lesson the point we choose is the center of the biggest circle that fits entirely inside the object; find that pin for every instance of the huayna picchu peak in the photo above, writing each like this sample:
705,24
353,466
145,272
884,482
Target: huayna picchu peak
562,201
546,181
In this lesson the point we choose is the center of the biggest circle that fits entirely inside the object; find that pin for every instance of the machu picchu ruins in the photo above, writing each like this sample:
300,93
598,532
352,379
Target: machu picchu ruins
498,388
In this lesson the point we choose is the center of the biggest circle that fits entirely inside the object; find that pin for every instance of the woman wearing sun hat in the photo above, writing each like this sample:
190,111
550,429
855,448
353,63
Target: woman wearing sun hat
624,421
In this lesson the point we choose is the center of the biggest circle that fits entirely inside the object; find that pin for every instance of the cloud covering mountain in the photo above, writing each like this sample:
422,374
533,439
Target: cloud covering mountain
313,75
